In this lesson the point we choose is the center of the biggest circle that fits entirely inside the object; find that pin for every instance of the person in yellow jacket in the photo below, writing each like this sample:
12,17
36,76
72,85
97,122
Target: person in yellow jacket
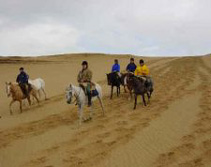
142,69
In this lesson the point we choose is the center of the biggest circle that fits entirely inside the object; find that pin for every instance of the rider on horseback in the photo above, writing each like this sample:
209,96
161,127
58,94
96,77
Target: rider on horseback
84,80
142,71
22,80
116,68
131,67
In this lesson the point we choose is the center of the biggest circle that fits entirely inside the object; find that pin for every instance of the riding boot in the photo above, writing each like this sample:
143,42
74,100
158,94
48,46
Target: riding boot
29,87
24,89
89,99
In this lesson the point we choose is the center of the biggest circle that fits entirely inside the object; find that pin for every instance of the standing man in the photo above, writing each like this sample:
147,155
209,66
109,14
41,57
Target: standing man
84,79
22,80
131,67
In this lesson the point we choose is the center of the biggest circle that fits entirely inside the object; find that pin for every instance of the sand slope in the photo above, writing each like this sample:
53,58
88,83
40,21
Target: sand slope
173,130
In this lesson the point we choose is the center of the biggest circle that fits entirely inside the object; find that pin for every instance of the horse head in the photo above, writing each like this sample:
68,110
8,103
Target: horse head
69,94
8,89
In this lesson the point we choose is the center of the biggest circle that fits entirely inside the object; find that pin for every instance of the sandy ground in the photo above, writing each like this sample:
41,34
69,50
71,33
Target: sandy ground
173,130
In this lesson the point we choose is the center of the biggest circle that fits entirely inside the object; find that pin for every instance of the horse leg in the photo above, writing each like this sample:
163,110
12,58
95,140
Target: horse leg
80,115
130,94
119,90
35,96
111,92
151,92
20,101
101,104
135,103
148,95
125,89
11,106
43,90
32,101
143,98
39,94
29,100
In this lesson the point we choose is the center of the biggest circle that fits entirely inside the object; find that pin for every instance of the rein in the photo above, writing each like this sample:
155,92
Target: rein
77,95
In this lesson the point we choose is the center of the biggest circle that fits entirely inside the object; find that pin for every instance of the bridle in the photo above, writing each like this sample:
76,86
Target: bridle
8,90
76,95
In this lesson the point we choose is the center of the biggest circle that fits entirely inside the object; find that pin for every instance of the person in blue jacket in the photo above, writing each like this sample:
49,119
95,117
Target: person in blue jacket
116,66
22,80
131,67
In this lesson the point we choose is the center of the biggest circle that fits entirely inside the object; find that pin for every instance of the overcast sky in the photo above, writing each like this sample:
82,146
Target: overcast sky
140,27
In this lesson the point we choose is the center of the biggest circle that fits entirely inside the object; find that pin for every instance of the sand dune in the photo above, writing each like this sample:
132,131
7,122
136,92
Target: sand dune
173,130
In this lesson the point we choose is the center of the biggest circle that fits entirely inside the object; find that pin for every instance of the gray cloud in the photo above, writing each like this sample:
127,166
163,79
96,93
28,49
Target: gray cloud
143,27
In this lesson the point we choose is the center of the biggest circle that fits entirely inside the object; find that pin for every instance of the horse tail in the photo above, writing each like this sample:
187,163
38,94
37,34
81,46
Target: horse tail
99,89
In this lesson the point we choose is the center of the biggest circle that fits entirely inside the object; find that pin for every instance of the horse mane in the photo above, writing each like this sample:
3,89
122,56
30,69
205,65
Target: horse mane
16,90
13,87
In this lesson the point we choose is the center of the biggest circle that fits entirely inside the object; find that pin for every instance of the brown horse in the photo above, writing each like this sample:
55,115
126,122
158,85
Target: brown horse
14,90
140,86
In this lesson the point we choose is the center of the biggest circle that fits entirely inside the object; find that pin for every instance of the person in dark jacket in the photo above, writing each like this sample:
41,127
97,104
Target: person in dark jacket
22,80
131,67
116,66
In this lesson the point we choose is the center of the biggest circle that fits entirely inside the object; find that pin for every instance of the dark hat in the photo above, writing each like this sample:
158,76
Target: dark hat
21,68
84,63
132,59
141,61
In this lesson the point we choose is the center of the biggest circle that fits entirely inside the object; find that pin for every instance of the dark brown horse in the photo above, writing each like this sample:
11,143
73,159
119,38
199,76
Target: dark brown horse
141,86
114,80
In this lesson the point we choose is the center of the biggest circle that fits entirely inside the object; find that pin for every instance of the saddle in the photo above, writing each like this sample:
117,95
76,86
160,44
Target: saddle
26,88
145,79
93,90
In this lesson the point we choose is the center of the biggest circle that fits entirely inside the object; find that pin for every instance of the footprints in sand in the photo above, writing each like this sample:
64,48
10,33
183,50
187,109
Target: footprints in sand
95,140
195,148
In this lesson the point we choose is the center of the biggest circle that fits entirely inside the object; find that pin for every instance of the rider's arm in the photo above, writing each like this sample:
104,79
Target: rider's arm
88,77
136,71
145,70
79,77
118,68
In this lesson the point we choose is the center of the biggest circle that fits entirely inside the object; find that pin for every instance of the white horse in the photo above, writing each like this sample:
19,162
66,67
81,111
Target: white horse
39,85
81,98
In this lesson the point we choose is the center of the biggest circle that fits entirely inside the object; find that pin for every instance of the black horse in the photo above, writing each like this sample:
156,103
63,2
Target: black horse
114,80
141,86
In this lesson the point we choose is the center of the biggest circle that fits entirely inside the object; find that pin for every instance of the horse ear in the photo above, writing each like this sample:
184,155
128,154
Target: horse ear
6,83
70,85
